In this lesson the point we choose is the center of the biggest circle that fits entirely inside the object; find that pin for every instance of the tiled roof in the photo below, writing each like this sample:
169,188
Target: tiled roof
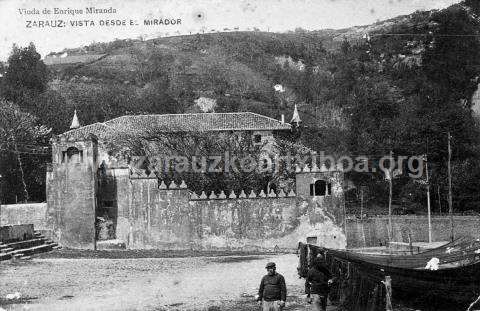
98,129
194,122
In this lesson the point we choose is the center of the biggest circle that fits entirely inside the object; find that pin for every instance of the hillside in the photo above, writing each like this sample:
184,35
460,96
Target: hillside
398,86
238,69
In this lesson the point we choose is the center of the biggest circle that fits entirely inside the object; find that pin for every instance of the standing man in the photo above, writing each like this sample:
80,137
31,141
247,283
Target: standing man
317,284
273,291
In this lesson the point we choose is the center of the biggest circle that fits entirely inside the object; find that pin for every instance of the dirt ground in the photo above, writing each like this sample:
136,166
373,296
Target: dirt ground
189,283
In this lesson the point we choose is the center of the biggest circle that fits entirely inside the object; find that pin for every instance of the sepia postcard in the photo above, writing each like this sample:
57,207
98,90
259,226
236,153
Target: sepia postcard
240,155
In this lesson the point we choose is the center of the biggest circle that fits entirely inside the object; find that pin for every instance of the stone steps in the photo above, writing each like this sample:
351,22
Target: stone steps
24,250
32,250
27,243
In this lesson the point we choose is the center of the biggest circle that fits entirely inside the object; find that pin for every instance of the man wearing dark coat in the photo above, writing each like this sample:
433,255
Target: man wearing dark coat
273,291
317,284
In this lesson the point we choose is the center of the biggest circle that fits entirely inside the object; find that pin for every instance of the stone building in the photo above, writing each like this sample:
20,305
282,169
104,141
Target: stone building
84,184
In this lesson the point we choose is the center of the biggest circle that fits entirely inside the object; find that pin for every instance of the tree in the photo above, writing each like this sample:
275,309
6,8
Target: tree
3,70
17,129
452,57
26,74
404,93
51,107
191,155
474,5
312,53
149,64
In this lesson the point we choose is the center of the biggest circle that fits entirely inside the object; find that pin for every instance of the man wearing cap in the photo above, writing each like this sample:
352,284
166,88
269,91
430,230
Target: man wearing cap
273,291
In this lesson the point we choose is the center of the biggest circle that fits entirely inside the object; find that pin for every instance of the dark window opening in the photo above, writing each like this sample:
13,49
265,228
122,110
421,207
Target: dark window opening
257,138
320,187
108,204
73,155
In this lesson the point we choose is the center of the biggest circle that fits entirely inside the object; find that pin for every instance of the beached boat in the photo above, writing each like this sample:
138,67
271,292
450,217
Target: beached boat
452,286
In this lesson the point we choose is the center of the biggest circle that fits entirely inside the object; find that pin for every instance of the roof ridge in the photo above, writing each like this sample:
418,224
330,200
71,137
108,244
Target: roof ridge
257,114
215,121
184,114
194,114
86,126
81,127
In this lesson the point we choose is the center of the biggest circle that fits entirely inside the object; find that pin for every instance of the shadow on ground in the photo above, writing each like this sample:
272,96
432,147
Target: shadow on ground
152,253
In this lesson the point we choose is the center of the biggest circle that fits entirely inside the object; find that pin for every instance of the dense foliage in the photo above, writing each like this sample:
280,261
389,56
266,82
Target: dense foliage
400,89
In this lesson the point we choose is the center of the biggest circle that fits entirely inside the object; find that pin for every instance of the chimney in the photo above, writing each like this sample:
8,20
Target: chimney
283,118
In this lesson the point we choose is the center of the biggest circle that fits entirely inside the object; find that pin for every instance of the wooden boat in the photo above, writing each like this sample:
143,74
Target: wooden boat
453,286
448,254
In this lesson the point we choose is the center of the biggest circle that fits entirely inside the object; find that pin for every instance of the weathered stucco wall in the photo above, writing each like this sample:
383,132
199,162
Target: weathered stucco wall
245,222
17,214
374,231
152,216
148,215
331,205
71,193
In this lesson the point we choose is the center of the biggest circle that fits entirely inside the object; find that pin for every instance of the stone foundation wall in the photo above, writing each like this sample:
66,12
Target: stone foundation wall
374,231
146,214
157,216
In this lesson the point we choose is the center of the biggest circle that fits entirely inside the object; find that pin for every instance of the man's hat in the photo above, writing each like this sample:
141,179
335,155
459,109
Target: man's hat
270,265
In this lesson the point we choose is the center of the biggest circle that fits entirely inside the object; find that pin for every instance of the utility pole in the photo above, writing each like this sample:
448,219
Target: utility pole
439,200
450,208
428,203
345,219
361,204
390,177
361,217
0,200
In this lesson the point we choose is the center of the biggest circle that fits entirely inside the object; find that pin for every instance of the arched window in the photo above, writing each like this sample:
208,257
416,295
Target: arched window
320,188
73,155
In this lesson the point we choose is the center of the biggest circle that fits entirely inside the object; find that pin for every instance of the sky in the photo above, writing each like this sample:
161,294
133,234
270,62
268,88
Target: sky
18,27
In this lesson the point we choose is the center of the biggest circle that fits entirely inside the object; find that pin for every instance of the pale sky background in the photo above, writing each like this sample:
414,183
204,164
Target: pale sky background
270,15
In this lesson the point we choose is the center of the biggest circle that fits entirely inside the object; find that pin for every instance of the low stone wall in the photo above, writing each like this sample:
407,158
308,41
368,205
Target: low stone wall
147,213
373,231
245,222
16,233
171,219
17,214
